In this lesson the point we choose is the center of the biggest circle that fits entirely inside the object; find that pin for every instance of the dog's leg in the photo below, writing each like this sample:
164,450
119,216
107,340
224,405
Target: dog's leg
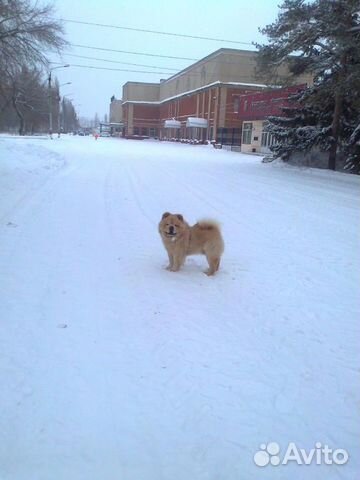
176,266
214,263
218,264
171,262
179,259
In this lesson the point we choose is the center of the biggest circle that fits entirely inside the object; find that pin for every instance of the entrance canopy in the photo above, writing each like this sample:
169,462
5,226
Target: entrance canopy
172,124
197,122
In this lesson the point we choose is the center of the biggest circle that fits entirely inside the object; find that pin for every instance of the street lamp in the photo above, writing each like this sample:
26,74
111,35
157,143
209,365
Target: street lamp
50,99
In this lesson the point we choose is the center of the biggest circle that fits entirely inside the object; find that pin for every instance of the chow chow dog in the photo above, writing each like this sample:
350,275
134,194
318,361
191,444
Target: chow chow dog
181,240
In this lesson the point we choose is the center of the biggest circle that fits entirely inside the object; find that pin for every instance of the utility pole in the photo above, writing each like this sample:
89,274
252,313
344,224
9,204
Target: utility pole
50,99
50,106
59,114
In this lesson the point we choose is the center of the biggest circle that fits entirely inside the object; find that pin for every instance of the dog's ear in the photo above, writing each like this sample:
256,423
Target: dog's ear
166,214
180,217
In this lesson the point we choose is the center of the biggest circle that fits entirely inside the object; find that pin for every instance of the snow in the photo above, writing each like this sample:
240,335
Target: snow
113,367
172,124
145,102
217,83
196,122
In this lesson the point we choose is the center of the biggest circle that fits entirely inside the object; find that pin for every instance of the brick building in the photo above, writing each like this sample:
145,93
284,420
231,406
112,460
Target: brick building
115,125
254,108
202,101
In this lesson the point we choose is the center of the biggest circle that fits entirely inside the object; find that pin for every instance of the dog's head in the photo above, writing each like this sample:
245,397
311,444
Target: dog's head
172,225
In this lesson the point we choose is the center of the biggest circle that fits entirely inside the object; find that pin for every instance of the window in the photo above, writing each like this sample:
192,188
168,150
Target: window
266,138
236,104
259,106
229,136
247,131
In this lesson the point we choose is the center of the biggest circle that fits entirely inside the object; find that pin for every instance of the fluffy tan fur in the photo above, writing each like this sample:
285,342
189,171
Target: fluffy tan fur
181,240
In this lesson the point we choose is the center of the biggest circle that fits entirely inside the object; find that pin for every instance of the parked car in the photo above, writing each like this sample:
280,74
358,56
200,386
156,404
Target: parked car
105,134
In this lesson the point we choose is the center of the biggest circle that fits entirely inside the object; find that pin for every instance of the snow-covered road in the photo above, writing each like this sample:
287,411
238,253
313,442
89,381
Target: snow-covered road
114,368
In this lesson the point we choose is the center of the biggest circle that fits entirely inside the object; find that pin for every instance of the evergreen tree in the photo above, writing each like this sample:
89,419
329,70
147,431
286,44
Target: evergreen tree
321,37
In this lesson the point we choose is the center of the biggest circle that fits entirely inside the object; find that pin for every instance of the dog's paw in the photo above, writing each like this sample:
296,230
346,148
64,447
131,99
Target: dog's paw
209,273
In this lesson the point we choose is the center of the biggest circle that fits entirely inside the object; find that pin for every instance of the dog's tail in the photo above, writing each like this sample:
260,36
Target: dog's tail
208,224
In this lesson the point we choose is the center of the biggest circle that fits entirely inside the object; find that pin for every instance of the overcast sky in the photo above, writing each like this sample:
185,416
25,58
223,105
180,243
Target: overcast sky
91,90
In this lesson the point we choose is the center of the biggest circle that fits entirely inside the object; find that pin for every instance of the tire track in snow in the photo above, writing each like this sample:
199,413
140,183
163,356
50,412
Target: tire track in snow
168,349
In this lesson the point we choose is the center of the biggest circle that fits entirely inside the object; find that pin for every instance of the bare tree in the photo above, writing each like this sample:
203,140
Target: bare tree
69,120
27,32
96,120
26,95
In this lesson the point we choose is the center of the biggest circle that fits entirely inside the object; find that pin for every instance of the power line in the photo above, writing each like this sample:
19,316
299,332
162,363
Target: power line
156,32
117,61
171,70
133,53
112,69
91,47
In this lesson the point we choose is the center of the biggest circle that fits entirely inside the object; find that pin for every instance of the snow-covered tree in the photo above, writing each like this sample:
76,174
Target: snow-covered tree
321,37
306,124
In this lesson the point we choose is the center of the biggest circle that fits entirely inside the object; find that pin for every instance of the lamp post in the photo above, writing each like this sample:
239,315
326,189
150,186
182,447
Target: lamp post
50,99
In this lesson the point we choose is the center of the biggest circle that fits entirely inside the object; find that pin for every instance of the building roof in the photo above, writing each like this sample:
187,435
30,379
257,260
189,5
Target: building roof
190,92
141,83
